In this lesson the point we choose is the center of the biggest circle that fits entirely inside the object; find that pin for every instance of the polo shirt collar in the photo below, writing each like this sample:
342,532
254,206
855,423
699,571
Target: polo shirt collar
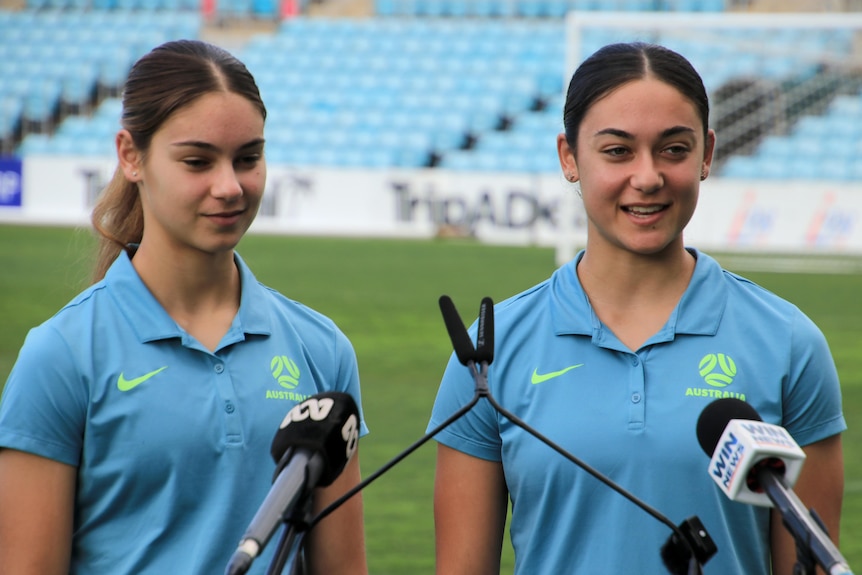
150,320
698,312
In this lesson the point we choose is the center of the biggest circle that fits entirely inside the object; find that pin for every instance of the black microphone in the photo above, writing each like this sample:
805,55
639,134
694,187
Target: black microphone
461,342
758,463
312,446
485,333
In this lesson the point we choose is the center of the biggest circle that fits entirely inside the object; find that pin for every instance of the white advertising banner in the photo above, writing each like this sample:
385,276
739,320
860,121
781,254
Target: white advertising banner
778,216
518,209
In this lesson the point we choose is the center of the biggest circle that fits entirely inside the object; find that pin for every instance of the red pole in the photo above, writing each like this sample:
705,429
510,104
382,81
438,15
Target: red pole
289,9
208,9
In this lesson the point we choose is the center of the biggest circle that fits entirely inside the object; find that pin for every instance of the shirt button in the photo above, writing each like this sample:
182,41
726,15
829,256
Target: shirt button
219,368
229,407
635,360
636,397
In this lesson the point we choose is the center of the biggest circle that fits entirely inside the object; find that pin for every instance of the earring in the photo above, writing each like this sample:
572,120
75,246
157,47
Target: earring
134,174
703,175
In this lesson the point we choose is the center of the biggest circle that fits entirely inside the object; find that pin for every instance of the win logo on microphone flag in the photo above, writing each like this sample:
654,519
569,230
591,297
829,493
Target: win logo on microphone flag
743,445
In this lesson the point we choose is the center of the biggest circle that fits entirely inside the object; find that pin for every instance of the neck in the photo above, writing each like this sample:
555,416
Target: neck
627,275
634,296
190,284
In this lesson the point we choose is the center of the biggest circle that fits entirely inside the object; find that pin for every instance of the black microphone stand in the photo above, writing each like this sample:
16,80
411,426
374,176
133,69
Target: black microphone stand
293,536
685,552
811,550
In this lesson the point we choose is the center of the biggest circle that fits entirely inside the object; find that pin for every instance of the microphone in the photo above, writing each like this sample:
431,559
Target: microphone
313,444
741,444
758,463
461,342
485,332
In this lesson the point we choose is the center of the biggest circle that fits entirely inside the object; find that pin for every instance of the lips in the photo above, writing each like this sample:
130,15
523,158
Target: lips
644,211
227,214
226,218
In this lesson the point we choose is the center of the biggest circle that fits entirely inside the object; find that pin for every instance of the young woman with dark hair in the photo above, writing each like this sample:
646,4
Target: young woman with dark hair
610,358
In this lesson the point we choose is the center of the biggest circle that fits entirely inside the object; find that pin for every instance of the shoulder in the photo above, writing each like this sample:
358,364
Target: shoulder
76,317
745,294
274,313
754,313
555,305
762,305
295,311
534,297
262,303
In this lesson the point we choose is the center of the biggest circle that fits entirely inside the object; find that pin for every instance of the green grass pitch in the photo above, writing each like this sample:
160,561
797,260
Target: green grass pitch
383,294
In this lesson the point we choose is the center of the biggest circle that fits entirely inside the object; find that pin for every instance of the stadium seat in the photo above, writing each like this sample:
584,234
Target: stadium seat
61,59
36,144
742,167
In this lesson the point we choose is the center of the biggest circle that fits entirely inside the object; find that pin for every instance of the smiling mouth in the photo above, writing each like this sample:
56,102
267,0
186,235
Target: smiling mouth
643,210
227,214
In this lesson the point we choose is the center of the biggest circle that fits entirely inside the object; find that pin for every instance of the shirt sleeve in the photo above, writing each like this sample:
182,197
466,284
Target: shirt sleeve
476,432
812,397
347,378
45,399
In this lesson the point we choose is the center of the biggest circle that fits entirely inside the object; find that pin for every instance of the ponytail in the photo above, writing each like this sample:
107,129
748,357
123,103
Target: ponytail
119,220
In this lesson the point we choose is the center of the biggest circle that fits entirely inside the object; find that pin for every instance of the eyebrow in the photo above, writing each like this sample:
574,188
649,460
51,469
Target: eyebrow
625,135
210,147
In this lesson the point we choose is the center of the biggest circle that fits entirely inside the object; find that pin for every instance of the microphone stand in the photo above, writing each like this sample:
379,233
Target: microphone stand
296,527
813,545
805,564
305,525
689,546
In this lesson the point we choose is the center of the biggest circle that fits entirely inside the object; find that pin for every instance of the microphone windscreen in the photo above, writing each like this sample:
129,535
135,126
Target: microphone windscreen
457,332
325,423
715,417
485,337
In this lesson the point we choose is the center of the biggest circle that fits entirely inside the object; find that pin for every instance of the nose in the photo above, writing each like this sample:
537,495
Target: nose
226,184
646,176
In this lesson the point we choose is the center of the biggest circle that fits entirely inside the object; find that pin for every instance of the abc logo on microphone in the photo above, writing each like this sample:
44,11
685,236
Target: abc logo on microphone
326,423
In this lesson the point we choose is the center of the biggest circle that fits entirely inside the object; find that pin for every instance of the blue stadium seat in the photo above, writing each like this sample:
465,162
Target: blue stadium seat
742,167
10,117
42,101
35,143
79,83
846,106
452,76
54,60
778,148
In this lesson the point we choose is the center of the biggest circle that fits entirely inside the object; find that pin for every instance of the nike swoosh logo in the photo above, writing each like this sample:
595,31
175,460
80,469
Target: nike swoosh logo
124,384
539,378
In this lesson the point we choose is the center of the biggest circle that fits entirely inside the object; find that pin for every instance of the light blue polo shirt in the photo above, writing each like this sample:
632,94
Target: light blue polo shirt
632,415
171,441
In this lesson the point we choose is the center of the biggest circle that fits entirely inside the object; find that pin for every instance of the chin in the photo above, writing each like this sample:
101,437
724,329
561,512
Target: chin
653,249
